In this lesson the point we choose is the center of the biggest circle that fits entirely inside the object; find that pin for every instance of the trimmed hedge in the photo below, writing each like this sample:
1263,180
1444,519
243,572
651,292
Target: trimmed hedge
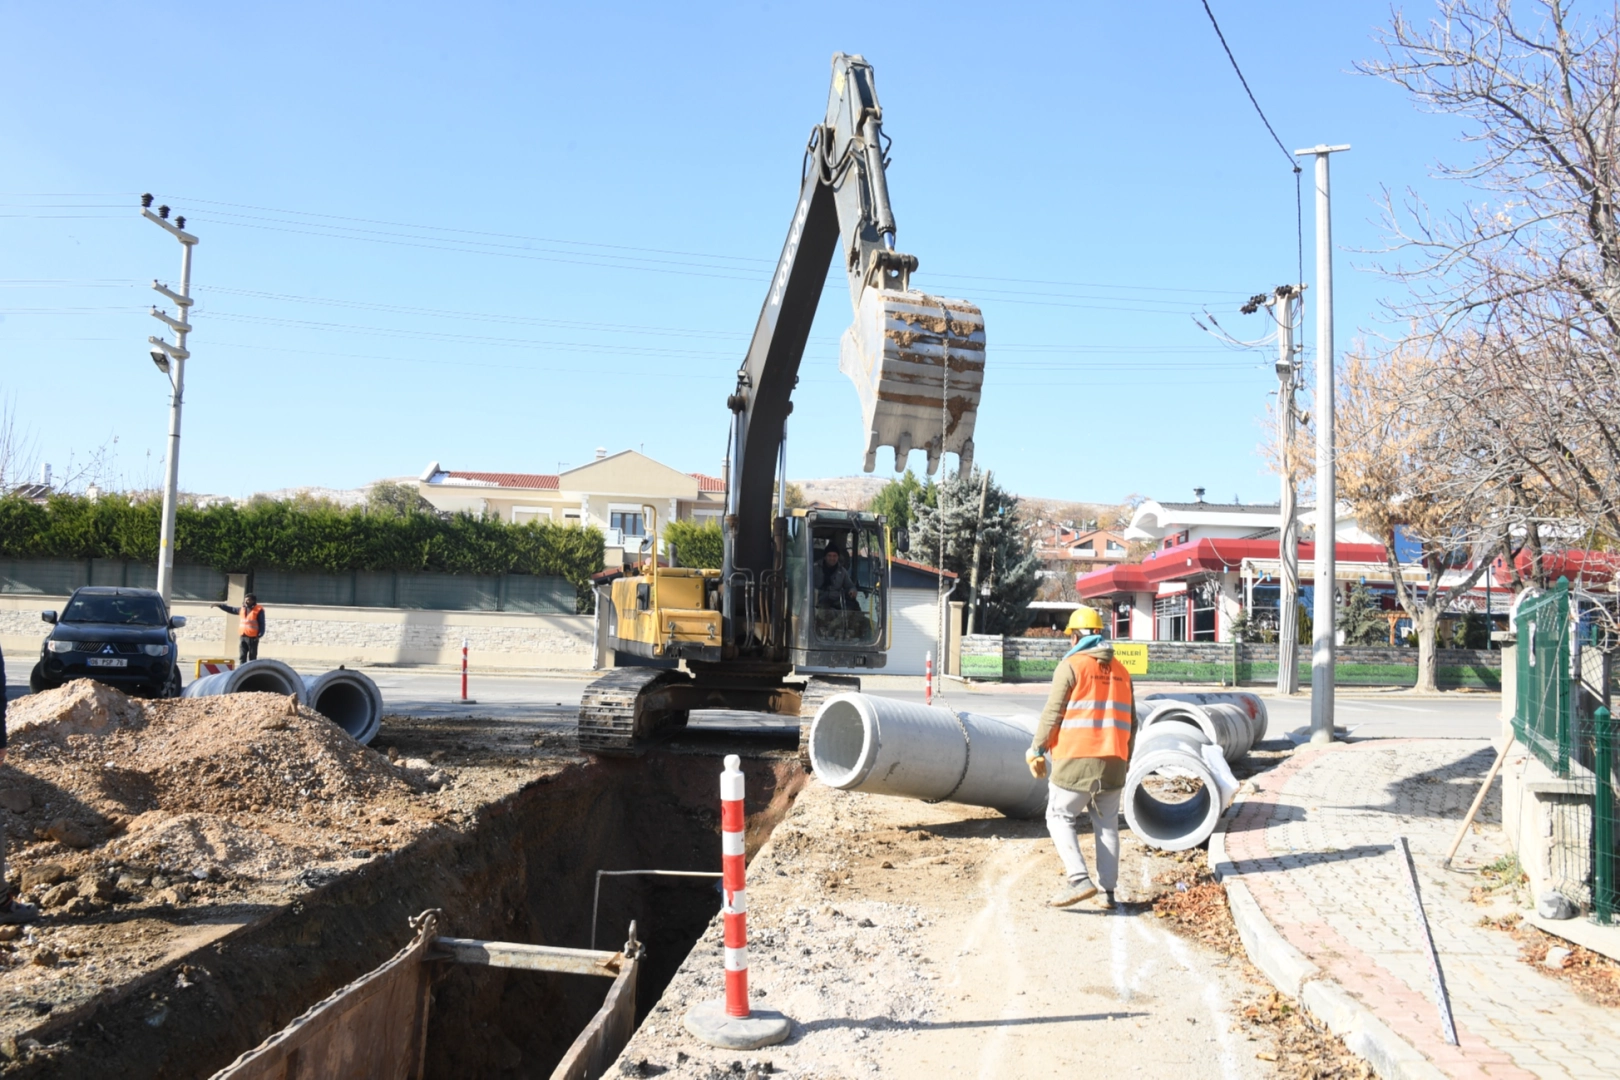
696,545
297,536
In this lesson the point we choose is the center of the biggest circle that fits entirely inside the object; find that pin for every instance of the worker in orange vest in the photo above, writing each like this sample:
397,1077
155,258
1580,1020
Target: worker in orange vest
252,627
1087,728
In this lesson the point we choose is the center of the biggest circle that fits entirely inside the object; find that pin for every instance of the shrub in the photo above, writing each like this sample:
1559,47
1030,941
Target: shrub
298,536
696,545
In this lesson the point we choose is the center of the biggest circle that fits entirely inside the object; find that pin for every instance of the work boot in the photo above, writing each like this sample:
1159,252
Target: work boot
1073,893
13,912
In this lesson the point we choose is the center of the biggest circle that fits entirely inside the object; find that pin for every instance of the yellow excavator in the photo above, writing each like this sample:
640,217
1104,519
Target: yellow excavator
808,590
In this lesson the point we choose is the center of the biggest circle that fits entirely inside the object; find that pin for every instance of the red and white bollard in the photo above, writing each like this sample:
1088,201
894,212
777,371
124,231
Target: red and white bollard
734,888
465,700
730,1023
928,678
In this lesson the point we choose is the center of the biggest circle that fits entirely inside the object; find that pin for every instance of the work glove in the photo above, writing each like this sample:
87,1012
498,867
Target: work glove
1036,763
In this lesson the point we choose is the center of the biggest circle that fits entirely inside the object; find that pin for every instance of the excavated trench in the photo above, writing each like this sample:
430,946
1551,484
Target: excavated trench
524,871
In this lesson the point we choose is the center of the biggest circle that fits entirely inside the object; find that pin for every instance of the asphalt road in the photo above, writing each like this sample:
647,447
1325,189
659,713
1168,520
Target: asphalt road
1366,714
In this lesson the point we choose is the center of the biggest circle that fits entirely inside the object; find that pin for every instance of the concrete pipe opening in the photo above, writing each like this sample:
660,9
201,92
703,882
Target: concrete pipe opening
1164,816
838,748
348,699
264,681
255,676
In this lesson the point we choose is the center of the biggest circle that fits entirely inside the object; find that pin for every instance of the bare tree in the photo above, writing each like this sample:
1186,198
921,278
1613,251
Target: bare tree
19,450
1397,463
1513,298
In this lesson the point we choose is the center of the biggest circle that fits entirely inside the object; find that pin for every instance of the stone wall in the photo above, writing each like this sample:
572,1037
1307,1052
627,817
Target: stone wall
323,637
1034,659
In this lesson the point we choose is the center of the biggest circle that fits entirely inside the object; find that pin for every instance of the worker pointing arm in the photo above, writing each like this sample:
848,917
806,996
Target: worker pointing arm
1086,727
251,627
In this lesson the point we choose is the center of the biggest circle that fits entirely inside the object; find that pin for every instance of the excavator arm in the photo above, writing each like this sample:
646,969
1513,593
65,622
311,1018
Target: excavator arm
917,361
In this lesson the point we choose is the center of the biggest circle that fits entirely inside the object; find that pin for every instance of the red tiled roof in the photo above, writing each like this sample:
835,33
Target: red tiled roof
709,483
924,567
544,481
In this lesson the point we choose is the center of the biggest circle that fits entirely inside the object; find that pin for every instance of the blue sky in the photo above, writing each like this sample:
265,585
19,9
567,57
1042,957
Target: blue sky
499,235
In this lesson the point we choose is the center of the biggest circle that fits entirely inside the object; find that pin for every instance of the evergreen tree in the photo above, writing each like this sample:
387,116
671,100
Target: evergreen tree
1362,619
894,501
1007,564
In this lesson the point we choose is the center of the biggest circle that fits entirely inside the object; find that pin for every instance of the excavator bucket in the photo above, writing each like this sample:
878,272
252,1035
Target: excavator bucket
917,362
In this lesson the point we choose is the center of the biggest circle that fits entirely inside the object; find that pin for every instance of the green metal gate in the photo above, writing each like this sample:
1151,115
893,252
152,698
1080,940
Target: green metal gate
1541,713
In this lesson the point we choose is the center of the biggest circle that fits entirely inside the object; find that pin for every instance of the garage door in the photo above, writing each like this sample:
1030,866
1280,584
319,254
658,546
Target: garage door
913,631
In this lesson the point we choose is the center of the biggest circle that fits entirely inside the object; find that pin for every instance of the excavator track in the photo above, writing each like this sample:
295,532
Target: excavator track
617,712
817,689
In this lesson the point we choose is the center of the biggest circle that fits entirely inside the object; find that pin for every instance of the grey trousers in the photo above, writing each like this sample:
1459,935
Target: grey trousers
1063,810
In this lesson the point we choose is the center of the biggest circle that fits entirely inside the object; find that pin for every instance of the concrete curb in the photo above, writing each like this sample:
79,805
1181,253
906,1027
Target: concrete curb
1391,1056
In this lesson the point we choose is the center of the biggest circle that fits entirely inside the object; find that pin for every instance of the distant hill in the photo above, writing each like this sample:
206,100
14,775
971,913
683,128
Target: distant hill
843,492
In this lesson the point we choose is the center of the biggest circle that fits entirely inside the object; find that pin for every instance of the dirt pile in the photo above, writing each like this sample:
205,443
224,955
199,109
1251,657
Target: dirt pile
243,786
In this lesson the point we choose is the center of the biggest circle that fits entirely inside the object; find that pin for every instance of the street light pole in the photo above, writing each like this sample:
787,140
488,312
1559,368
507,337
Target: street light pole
1323,623
171,360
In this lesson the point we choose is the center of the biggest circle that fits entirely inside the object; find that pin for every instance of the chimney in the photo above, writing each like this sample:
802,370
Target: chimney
601,452
1198,493
45,474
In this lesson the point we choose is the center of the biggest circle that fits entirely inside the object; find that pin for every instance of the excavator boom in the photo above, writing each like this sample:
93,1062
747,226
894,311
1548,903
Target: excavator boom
807,590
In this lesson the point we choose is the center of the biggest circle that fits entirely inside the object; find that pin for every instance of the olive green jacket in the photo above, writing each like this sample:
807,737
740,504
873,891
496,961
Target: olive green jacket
1078,774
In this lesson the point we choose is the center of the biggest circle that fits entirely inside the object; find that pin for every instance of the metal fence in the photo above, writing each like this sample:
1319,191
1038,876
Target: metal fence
1562,713
1541,716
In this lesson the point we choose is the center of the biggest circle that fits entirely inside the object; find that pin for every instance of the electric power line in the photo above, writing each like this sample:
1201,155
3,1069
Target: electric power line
1299,214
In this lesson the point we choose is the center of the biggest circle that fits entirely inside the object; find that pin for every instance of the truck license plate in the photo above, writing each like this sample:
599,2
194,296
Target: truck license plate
108,661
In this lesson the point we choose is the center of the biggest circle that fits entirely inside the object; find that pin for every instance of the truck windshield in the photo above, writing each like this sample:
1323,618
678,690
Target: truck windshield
124,610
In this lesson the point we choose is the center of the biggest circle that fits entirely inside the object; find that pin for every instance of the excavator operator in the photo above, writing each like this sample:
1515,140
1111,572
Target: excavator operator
838,609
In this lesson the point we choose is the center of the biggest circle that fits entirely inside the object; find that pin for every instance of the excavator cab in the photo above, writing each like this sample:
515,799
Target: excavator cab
837,589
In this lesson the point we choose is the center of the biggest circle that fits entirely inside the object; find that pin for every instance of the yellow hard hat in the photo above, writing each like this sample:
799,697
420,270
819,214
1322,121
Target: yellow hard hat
1084,618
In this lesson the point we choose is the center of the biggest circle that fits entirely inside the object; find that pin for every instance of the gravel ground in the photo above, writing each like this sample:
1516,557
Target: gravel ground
147,830
909,940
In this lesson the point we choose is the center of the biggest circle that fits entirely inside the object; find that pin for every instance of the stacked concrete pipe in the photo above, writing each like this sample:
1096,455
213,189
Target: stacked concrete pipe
347,698
1178,734
253,677
863,743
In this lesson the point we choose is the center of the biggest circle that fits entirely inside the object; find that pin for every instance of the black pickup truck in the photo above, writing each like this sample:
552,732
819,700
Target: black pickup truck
122,637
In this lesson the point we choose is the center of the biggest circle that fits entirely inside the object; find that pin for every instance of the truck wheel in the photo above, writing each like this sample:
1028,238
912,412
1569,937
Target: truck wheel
36,680
172,689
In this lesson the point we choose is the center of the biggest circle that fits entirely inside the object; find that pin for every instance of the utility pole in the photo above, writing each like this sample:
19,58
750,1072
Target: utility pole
171,360
1323,623
1282,303
978,545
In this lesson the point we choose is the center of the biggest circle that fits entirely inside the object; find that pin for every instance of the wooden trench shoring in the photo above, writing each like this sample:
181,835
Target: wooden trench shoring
375,1028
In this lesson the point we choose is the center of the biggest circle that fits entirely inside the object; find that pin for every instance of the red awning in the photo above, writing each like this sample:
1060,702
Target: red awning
1203,557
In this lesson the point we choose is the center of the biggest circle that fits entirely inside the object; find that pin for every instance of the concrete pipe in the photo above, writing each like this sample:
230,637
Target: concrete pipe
1234,721
255,676
863,743
347,698
1188,737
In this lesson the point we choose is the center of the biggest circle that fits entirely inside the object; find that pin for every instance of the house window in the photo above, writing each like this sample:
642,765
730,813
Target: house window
1204,596
1115,547
1170,618
1122,622
627,523
1087,549
522,514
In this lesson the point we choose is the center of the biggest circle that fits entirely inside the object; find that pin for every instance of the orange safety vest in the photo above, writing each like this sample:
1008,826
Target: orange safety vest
1099,714
250,620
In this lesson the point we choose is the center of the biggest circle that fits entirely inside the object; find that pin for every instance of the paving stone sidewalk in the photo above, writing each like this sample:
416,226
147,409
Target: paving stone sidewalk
1315,846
